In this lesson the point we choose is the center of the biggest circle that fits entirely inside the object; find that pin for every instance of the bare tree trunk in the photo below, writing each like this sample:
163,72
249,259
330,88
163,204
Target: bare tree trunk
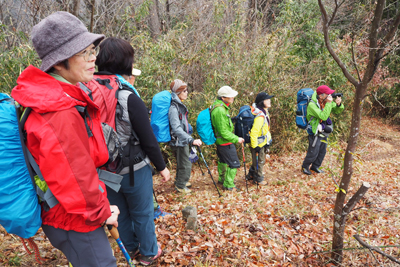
377,48
167,8
339,221
75,10
92,15
251,16
154,20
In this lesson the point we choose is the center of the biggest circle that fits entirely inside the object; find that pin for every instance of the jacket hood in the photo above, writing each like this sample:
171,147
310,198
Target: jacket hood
314,97
218,102
43,93
175,98
256,111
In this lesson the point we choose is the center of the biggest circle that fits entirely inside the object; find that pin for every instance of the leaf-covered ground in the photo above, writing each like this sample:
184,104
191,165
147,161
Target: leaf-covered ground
285,223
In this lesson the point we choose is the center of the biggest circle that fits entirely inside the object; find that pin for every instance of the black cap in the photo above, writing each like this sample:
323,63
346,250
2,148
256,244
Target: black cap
262,96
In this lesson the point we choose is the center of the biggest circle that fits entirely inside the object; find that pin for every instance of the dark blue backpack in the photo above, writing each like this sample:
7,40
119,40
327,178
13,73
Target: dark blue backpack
303,98
244,123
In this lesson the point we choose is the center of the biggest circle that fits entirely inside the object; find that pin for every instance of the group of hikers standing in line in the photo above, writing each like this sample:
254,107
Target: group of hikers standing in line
69,146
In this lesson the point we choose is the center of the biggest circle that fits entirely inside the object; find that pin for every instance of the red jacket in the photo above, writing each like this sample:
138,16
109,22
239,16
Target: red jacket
67,157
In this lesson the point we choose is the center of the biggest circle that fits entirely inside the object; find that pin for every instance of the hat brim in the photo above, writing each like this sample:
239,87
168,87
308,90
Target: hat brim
231,94
136,72
69,49
269,96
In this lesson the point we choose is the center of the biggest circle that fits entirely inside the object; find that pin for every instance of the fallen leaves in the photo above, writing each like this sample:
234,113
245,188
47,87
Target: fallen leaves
286,223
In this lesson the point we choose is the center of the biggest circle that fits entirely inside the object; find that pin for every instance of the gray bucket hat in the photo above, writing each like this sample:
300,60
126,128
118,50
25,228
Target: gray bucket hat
60,36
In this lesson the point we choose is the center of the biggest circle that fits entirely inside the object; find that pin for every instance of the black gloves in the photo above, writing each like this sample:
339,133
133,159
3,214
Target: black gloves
257,149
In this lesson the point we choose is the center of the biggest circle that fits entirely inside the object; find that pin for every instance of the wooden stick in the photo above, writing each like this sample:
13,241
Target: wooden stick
358,238
355,198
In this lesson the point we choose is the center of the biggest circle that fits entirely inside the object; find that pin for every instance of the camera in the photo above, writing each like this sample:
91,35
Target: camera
337,94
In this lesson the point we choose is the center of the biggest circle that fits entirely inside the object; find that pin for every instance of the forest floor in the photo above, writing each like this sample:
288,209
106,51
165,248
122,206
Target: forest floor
285,223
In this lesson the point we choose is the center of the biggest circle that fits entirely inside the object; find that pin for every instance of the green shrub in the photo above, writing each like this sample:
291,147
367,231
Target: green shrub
14,60
289,57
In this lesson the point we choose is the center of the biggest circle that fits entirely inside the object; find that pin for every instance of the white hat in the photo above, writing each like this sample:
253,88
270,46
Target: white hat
226,91
136,72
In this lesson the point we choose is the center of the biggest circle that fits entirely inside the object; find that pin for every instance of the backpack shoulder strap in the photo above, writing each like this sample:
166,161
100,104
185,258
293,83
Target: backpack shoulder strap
211,109
86,90
177,108
47,196
312,117
261,114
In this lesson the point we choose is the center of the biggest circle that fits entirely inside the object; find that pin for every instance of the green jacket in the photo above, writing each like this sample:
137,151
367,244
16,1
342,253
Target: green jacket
222,123
314,111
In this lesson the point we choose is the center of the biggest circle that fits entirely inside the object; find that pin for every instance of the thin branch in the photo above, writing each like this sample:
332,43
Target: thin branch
354,58
334,13
373,255
376,99
325,28
352,248
389,36
391,50
358,238
355,198
376,22
323,11
373,62
337,6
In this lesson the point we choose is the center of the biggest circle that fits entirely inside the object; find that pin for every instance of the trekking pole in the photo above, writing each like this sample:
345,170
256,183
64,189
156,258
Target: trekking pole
244,164
198,161
209,172
200,168
115,234
257,167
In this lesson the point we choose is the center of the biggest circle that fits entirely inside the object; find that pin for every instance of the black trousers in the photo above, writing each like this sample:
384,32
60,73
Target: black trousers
315,154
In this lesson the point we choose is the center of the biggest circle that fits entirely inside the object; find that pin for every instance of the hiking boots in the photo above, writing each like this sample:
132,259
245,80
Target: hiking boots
188,184
316,170
134,253
160,213
232,189
249,177
306,170
251,174
260,183
144,260
183,190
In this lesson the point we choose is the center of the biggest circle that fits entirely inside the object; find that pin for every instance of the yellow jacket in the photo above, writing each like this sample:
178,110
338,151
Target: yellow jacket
260,134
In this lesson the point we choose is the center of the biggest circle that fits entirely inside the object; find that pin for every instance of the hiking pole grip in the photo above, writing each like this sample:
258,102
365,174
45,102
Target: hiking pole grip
209,172
113,231
115,234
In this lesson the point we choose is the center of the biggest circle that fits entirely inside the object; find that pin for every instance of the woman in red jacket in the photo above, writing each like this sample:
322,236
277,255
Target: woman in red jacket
67,144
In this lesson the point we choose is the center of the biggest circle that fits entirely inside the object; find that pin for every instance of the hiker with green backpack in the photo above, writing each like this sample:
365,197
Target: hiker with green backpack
228,161
318,111
65,137
260,137
181,138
